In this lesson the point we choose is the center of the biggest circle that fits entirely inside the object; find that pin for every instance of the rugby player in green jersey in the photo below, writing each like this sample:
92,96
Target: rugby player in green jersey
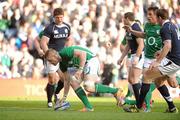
84,66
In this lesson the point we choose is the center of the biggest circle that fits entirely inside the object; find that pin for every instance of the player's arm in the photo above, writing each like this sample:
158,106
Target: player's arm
70,41
66,83
38,47
46,37
134,32
82,56
124,53
140,48
44,43
166,48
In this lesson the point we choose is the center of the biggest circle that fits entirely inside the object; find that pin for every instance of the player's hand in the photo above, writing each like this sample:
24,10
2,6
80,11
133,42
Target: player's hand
127,28
41,53
153,65
78,74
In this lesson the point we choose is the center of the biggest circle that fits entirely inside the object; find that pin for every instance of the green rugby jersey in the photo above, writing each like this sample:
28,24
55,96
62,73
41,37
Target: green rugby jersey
68,59
41,34
153,41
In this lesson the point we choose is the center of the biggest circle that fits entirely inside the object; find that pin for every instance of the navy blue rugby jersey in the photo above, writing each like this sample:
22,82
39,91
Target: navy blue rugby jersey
169,31
57,35
132,38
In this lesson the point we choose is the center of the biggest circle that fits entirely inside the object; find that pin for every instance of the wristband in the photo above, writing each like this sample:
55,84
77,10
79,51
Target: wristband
81,68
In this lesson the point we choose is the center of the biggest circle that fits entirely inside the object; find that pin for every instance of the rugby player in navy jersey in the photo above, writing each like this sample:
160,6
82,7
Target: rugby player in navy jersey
56,36
166,65
135,45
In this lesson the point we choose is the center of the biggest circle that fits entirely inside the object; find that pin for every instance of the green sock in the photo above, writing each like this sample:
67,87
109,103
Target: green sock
129,93
105,89
149,96
55,86
130,102
153,87
82,96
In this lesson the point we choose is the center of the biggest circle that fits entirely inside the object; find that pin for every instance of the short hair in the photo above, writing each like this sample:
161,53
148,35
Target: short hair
163,13
130,16
58,11
153,8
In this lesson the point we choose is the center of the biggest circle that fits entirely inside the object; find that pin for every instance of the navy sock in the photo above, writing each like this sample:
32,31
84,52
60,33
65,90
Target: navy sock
136,87
165,93
50,92
144,90
59,87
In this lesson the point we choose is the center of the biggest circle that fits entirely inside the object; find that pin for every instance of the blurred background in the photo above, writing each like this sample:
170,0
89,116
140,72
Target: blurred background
93,23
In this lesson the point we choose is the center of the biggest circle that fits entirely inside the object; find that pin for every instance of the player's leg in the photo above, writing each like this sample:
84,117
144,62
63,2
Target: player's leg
91,71
165,92
148,76
130,92
157,73
148,97
75,84
172,81
166,95
134,77
52,78
60,85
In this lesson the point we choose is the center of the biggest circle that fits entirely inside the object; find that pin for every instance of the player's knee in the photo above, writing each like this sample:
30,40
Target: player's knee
51,79
146,78
172,82
89,86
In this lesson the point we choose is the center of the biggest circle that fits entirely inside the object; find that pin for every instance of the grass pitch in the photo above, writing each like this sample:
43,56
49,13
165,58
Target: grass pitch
105,109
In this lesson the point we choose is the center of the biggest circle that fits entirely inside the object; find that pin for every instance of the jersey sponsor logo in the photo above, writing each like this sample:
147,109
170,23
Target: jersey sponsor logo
65,30
158,32
56,32
61,36
128,36
152,41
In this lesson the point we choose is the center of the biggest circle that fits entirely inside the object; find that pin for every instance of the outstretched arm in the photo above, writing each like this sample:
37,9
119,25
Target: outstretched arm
82,56
134,32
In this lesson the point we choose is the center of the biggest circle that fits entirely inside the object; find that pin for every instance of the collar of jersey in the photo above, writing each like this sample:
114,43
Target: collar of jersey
165,22
133,23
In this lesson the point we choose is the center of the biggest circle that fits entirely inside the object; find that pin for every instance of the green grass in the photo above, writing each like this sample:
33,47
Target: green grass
105,109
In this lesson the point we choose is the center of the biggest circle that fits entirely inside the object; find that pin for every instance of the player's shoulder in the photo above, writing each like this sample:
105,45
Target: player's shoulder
146,24
67,25
50,25
136,26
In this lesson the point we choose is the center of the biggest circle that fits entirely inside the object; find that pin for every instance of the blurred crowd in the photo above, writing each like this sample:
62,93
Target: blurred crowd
93,24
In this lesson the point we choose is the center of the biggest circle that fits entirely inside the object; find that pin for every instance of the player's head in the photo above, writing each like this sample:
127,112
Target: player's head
52,56
128,18
162,15
58,15
151,14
